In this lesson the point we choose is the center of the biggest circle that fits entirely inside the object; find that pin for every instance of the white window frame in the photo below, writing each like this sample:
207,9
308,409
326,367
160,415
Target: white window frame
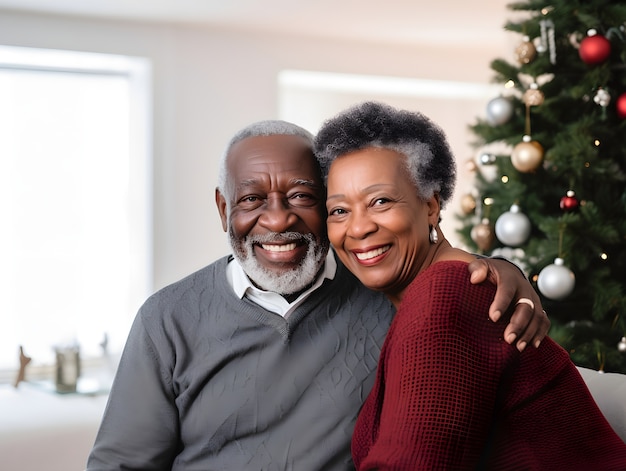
138,71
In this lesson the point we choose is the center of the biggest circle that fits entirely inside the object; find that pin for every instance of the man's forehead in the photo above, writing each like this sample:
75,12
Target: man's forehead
291,182
274,154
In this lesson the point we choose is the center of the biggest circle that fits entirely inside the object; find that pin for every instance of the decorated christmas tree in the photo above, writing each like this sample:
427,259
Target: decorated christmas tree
550,170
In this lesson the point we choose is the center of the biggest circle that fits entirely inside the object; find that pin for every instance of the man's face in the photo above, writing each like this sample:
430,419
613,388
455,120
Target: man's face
275,214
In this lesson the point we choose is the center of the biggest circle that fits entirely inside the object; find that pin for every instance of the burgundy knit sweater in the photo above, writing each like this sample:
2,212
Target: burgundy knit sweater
450,393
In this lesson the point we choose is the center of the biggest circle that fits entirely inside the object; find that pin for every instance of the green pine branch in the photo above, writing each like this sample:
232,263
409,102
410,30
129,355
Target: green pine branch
585,151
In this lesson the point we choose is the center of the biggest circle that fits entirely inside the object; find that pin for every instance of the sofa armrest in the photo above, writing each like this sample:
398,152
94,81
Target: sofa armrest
609,392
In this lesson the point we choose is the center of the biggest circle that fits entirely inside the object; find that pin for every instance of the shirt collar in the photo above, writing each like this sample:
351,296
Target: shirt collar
242,286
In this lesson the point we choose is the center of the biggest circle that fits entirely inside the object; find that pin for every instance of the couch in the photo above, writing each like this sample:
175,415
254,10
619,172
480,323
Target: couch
40,430
609,391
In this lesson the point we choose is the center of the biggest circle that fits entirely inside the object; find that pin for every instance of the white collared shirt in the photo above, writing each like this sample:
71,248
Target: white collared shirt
269,300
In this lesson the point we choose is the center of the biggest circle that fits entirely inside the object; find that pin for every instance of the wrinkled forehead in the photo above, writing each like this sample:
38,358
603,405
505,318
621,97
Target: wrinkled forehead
273,154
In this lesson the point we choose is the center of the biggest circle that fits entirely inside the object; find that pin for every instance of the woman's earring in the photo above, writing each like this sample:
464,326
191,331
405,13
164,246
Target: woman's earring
433,237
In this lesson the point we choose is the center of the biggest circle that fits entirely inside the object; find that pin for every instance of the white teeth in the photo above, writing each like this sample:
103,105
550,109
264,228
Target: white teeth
372,253
279,248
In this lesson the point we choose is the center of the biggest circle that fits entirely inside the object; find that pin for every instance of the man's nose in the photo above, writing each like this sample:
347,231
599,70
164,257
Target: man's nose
278,214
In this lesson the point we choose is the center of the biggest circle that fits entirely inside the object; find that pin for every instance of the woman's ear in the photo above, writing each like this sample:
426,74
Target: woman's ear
434,209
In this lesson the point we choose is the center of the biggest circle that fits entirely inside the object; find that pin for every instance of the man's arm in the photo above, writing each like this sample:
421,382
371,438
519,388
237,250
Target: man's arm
139,429
529,323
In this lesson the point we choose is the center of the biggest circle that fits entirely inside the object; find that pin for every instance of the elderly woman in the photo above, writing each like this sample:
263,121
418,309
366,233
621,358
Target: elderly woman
449,392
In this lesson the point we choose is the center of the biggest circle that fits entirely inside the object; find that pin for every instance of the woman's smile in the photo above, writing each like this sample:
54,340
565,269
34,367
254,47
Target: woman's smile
370,254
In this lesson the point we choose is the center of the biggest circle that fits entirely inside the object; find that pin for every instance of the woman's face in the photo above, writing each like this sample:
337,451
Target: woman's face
377,223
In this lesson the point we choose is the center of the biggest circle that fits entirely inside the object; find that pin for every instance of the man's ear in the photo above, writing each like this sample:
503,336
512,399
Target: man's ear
220,201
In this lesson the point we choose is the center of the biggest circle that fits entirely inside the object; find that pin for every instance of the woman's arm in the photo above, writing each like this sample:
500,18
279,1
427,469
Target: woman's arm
439,379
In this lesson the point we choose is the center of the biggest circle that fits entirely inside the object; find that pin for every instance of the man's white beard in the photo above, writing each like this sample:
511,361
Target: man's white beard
289,281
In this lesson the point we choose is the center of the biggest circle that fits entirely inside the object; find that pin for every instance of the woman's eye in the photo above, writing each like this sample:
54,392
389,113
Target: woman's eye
336,212
379,201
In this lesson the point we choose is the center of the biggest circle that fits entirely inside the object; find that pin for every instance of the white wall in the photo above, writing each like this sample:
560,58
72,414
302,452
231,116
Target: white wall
209,82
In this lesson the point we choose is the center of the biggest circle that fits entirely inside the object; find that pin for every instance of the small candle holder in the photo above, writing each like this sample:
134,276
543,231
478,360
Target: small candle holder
67,369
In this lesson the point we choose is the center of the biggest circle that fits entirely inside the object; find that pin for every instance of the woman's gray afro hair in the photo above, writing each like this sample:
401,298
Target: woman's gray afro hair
430,162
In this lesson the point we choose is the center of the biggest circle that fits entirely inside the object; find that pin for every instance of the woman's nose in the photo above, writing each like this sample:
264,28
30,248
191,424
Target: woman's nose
360,225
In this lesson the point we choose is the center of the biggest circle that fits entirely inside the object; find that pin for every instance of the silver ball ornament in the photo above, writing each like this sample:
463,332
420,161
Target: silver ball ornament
556,281
487,159
513,227
499,111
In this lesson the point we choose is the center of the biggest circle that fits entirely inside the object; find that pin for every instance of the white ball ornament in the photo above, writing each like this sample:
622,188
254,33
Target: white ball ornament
621,346
556,281
513,227
499,111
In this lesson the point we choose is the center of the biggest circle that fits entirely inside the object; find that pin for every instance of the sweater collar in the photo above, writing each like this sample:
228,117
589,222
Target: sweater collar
274,302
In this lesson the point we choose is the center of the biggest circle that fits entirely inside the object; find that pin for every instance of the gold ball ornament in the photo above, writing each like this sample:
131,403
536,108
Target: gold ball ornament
468,204
526,52
470,165
527,155
533,97
483,235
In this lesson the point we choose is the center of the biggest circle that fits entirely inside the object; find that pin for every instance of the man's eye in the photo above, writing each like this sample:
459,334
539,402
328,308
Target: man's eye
303,199
249,201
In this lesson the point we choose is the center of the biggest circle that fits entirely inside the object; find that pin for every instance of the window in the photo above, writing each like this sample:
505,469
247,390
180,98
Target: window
75,204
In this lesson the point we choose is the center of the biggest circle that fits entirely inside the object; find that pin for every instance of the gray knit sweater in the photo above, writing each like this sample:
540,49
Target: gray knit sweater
211,382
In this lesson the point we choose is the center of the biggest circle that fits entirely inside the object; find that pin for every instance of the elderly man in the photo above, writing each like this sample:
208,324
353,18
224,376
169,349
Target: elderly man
262,359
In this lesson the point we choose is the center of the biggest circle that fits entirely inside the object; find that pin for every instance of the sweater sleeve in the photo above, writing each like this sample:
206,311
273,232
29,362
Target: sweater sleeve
439,374
139,427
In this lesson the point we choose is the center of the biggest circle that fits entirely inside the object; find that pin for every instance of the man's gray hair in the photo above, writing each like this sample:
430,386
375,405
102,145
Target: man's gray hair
260,128
429,160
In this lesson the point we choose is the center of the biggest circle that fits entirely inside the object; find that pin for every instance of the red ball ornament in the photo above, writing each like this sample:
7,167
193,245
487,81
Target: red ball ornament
594,49
569,202
620,106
